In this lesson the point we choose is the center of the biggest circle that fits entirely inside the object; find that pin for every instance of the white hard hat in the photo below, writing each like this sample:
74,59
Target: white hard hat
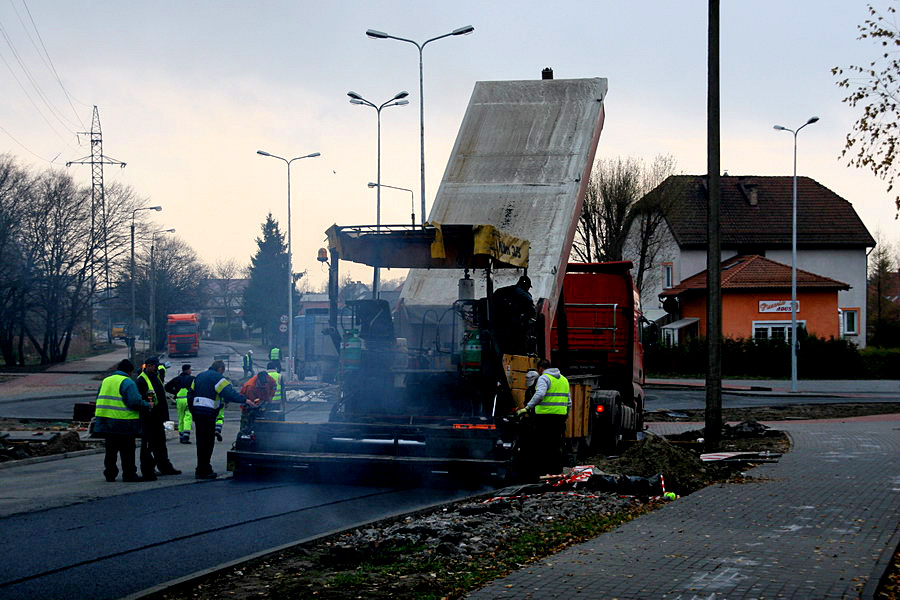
250,351
531,377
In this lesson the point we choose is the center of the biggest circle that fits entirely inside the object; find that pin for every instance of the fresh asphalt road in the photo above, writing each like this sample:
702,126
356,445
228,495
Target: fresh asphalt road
117,546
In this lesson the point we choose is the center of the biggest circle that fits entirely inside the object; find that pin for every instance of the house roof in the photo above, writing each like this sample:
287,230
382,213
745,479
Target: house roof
756,211
756,272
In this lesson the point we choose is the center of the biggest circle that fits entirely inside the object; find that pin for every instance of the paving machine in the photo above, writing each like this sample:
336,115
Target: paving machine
429,389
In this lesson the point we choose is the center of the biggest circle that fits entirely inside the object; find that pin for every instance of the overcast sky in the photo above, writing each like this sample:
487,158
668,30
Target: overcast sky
189,90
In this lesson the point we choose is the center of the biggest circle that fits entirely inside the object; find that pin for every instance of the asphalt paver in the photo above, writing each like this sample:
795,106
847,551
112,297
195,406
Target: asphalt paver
819,524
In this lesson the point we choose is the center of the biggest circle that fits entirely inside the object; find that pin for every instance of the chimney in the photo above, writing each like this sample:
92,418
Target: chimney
547,73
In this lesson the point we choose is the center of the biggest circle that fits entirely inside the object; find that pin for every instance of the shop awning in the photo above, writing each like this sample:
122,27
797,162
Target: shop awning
681,323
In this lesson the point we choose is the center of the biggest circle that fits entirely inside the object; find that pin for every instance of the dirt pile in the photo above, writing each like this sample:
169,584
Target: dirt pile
683,470
28,444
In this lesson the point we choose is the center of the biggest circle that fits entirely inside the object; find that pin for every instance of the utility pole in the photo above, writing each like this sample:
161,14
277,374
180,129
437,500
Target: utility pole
713,426
98,201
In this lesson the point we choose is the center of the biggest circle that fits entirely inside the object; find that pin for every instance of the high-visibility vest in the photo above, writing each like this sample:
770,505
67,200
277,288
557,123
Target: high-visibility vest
248,361
277,377
556,400
149,384
110,403
275,354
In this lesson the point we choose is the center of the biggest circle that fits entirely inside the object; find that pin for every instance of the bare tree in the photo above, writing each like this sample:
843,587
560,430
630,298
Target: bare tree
883,310
228,291
618,201
873,141
15,268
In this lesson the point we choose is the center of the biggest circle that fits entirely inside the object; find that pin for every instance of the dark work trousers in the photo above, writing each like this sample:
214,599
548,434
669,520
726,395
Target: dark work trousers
154,453
548,432
205,427
118,444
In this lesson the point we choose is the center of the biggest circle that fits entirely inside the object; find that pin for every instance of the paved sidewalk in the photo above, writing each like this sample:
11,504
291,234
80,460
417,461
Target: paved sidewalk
818,525
69,379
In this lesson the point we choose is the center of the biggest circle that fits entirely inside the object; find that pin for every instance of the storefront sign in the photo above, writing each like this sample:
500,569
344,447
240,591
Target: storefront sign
776,306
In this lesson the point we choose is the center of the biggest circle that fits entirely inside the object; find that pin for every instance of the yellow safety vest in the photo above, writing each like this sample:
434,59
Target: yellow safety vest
556,400
275,354
277,377
110,403
150,384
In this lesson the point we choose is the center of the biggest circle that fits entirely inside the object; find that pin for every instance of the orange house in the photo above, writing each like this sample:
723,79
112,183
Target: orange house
756,302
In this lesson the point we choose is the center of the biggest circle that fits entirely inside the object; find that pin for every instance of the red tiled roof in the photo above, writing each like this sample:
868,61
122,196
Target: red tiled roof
824,219
757,272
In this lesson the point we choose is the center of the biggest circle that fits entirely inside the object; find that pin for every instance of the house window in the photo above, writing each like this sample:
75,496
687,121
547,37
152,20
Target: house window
668,279
850,321
774,330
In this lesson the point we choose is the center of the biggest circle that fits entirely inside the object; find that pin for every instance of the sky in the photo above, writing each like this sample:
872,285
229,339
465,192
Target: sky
188,91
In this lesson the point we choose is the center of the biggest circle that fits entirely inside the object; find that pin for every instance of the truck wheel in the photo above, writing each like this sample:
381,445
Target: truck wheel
611,435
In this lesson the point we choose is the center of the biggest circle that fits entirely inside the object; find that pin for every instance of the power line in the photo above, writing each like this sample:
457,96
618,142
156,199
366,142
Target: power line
24,147
34,104
52,66
31,79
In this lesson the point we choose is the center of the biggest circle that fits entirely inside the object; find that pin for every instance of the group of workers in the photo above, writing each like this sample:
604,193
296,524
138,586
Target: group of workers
130,407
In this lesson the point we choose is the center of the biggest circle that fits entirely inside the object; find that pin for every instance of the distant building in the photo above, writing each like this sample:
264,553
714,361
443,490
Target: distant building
832,241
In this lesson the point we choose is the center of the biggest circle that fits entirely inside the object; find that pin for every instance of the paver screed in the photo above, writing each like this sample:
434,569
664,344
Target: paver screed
818,524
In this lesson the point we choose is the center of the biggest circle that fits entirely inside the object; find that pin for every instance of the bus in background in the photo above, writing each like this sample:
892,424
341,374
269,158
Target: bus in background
183,334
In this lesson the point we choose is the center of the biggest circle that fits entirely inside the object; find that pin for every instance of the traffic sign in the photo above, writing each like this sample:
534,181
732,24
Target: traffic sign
284,319
282,328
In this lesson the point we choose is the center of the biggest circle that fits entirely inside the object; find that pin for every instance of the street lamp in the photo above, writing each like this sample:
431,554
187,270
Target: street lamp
380,35
153,287
397,100
412,198
290,357
810,121
131,329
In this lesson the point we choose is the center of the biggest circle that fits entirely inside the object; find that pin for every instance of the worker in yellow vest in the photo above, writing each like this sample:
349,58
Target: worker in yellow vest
179,386
117,419
550,407
275,355
277,401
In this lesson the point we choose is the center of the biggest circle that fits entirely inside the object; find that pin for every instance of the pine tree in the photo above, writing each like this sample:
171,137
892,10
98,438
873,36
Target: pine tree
265,298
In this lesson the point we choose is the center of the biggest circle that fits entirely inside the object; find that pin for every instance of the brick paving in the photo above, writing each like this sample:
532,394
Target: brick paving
819,524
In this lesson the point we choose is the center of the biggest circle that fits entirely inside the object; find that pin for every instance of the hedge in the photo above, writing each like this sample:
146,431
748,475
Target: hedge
817,358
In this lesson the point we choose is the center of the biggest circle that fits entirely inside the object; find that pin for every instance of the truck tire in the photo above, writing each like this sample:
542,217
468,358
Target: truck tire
606,427
611,433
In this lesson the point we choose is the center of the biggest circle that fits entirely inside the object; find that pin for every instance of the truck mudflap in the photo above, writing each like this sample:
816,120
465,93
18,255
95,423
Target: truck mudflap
380,452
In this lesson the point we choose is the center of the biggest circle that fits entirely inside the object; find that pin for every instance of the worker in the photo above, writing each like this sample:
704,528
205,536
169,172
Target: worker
248,364
161,370
550,406
262,388
274,373
513,317
154,453
275,355
208,394
117,419
179,386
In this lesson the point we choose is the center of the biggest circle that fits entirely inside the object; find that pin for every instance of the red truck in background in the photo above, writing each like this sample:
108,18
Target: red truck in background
183,334
596,337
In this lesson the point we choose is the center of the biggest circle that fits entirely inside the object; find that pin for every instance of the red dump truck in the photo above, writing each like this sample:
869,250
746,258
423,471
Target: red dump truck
183,334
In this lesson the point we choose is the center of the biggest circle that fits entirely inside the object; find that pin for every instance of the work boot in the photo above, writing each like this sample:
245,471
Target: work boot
136,478
150,477
185,437
207,475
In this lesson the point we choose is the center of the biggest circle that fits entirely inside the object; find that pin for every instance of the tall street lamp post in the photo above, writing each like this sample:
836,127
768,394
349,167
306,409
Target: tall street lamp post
290,324
131,330
372,33
153,288
810,121
397,100
412,198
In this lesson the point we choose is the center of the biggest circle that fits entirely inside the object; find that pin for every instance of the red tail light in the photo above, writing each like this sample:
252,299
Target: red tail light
599,408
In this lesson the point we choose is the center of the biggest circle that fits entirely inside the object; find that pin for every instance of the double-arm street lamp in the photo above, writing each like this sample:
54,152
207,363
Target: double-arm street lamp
412,198
397,100
372,33
290,324
131,330
810,121
153,287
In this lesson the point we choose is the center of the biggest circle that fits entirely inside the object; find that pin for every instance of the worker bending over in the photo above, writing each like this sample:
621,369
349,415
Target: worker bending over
208,394
179,387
